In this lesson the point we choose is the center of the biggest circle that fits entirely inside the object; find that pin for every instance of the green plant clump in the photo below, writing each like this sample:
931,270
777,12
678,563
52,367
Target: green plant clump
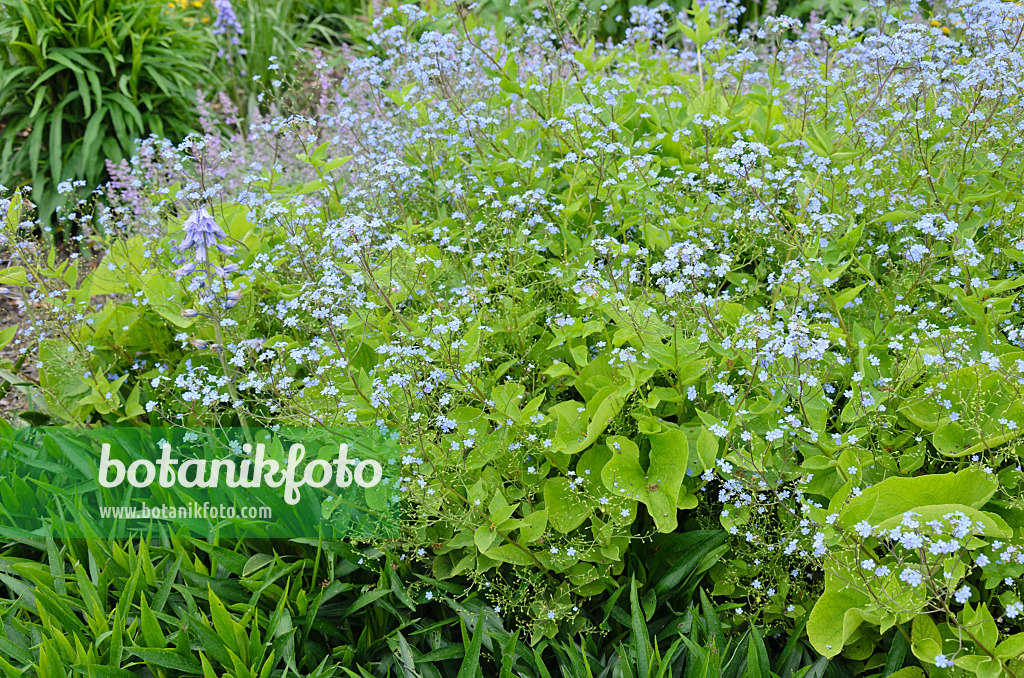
81,80
692,340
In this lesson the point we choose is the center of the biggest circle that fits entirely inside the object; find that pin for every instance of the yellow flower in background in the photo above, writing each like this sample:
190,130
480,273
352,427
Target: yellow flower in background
935,22
205,19
945,29
188,5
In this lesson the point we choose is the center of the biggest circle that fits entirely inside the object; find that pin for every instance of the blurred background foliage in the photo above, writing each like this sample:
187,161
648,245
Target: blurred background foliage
80,80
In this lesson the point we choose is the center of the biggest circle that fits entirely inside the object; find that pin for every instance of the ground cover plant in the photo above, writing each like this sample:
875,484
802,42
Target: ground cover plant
702,347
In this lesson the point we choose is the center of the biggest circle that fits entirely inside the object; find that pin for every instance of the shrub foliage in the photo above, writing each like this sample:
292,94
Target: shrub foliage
708,306
83,79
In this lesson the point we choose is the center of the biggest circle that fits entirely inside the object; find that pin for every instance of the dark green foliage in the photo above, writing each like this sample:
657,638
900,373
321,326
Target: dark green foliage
336,18
80,80
188,607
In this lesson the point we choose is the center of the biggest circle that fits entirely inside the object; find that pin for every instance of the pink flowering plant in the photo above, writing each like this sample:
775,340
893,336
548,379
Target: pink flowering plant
758,281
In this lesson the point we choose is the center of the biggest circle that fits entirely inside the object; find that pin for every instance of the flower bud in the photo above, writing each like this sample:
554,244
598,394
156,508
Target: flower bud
185,270
233,297
189,313
222,272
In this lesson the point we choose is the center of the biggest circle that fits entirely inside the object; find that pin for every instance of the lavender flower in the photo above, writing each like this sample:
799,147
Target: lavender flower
226,21
201,233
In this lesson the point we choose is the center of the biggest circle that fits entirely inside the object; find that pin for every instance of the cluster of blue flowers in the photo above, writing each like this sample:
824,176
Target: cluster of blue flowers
226,23
520,258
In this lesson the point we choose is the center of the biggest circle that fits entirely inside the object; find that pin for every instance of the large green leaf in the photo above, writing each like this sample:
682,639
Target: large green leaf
835,617
659,487
970,487
566,510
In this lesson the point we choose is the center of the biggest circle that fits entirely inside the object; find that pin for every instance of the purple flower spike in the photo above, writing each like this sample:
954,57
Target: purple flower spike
201,233
226,21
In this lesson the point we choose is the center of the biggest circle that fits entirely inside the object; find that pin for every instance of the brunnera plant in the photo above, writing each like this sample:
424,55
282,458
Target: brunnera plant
702,279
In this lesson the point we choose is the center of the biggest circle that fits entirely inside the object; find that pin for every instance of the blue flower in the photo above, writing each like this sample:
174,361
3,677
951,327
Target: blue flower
201,233
227,20
911,577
